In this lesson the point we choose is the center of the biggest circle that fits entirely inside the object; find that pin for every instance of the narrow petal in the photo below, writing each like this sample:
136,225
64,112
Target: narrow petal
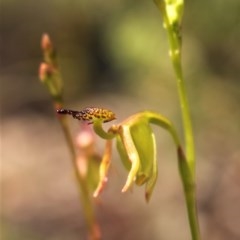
104,167
152,180
132,155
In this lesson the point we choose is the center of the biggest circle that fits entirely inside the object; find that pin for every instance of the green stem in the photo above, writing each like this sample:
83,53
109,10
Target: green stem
97,126
92,225
188,164
172,14
172,25
163,122
185,171
175,55
190,194
187,124
192,212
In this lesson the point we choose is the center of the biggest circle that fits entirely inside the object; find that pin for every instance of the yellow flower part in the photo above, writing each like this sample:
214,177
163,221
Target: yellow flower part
90,114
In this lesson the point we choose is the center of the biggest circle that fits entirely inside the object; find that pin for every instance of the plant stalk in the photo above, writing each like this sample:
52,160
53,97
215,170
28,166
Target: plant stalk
187,165
172,12
93,227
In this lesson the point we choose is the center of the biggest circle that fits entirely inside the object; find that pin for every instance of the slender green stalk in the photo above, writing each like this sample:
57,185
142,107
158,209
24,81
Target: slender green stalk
190,194
172,12
175,55
97,126
163,122
192,213
188,178
187,174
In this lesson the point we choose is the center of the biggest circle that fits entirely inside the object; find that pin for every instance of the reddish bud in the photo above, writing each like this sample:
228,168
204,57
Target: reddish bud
43,71
46,43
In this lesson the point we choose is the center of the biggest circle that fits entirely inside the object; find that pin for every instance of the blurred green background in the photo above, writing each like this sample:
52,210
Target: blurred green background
114,54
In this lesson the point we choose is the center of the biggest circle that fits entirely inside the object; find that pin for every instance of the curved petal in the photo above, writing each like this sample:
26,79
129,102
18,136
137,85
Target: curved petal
132,153
104,167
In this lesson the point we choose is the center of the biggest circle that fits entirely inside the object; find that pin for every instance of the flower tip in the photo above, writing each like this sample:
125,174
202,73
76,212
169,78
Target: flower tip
98,191
147,197
46,43
128,183
43,71
100,187
95,194
125,188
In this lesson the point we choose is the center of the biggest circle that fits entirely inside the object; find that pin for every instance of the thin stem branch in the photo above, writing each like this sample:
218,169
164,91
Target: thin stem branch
93,228
192,213
188,164
186,117
189,193
49,75
98,128
172,14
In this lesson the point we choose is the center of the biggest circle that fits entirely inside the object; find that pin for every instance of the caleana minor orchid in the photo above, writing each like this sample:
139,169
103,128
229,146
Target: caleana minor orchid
135,143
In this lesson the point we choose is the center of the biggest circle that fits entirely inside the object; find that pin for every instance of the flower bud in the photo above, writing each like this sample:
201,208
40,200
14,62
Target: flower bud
44,72
46,43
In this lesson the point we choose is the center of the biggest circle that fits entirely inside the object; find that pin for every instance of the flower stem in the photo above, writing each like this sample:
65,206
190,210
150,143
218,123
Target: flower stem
172,12
175,55
98,128
49,75
186,165
190,194
192,213
93,228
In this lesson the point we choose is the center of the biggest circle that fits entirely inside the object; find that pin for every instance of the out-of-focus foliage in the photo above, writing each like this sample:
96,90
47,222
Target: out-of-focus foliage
114,42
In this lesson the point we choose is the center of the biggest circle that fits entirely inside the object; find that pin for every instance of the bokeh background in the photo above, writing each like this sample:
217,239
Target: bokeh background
114,54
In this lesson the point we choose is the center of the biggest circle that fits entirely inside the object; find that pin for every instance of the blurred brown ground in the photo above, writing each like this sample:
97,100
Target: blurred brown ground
114,55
